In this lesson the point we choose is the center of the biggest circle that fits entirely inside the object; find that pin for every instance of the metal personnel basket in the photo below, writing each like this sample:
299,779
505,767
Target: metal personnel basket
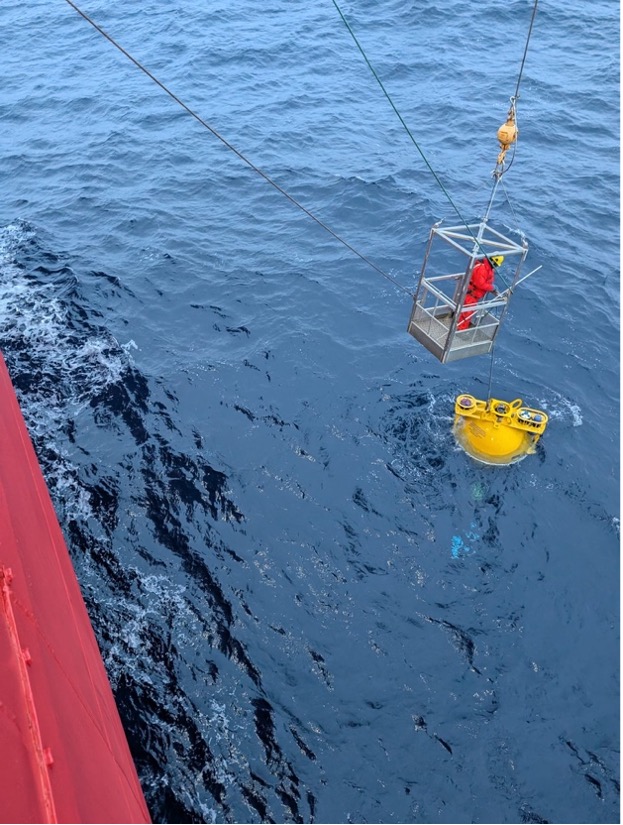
440,298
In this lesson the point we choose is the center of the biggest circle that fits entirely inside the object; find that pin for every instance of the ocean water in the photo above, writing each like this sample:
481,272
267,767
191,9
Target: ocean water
311,605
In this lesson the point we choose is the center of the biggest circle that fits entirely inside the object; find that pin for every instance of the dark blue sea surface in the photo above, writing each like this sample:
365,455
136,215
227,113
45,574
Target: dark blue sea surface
312,606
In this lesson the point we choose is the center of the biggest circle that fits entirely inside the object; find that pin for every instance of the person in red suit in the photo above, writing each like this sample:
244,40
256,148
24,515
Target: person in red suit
480,283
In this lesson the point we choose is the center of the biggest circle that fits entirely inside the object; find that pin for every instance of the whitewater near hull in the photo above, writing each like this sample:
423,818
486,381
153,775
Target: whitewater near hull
64,755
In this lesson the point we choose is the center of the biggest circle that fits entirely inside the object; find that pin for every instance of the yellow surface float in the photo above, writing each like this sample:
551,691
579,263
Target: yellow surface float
497,432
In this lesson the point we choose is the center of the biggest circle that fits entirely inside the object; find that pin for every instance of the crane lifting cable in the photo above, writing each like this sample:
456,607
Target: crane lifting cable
448,316
406,128
493,431
457,311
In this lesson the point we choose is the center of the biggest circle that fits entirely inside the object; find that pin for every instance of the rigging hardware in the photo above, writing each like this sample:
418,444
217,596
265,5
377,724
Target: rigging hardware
446,317
497,432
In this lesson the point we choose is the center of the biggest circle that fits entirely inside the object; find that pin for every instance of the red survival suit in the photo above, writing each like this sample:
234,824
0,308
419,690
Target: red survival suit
480,283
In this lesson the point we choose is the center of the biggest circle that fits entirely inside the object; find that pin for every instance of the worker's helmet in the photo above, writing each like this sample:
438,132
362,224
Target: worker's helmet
497,260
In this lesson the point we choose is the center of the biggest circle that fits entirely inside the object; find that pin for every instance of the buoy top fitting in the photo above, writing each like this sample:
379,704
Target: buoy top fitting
496,431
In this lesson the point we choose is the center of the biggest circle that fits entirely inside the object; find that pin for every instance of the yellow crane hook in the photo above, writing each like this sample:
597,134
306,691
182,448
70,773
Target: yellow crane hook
507,135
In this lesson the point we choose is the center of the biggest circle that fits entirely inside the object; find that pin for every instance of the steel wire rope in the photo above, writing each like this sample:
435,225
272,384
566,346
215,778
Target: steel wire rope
525,51
514,104
512,160
408,131
490,374
415,143
401,119
417,146
232,148
515,97
508,200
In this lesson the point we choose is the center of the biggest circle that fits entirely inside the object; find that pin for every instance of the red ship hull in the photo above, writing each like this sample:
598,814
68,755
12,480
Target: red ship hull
63,752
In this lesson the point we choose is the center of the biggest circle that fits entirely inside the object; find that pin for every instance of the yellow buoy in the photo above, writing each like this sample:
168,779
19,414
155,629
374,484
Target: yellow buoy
497,432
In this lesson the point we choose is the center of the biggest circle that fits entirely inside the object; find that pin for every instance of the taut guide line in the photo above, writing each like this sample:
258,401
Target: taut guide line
439,319
233,149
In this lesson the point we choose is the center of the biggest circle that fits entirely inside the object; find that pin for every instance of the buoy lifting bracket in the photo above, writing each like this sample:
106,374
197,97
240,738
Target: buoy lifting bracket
496,431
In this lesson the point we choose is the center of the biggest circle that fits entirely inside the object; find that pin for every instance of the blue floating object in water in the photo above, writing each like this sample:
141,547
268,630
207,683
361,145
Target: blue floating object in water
458,544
